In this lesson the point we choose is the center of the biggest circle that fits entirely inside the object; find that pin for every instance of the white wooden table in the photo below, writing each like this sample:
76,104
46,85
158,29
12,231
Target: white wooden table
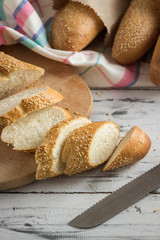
42,209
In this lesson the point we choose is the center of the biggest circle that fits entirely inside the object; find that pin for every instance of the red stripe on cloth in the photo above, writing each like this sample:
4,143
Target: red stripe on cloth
2,38
24,14
105,76
66,59
128,76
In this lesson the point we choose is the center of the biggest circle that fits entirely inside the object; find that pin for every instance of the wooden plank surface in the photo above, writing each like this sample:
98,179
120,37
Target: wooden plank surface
42,209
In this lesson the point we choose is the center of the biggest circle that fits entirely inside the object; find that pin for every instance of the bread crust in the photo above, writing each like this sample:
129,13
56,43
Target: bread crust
38,101
155,65
76,150
44,170
138,31
136,148
12,115
9,64
43,155
44,99
74,27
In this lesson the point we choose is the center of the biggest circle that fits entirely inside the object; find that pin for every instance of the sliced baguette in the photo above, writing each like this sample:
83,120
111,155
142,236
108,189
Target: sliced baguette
48,155
31,99
16,75
89,146
29,132
132,148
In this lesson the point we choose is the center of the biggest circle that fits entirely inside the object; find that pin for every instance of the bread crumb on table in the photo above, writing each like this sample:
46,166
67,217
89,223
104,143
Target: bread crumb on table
77,113
156,210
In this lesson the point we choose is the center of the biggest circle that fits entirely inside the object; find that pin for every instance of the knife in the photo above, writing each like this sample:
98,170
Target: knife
118,200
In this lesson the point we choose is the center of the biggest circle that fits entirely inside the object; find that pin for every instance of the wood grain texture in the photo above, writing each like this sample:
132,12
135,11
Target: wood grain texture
46,216
42,209
18,169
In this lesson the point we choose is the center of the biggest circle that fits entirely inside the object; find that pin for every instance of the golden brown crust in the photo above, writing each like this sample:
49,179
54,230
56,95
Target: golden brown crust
11,116
44,170
155,65
76,149
134,150
38,101
10,64
137,32
44,152
41,100
74,27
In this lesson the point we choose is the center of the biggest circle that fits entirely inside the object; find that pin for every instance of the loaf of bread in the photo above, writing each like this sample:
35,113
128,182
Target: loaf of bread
155,65
74,27
16,75
16,106
132,148
138,31
29,132
48,155
89,146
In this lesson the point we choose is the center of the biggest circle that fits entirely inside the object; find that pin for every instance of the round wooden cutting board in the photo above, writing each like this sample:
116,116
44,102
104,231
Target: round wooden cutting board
18,168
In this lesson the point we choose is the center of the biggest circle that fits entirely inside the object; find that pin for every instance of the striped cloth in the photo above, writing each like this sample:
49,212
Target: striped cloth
29,23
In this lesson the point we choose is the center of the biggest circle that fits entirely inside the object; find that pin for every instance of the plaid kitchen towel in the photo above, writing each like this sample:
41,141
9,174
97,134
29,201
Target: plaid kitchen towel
29,22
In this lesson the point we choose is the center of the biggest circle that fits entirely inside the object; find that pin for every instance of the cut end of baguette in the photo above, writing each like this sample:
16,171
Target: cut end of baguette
16,75
132,148
48,155
31,99
29,132
89,146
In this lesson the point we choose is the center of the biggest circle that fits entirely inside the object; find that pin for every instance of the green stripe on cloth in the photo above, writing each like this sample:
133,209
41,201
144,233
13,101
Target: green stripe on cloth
27,42
2,12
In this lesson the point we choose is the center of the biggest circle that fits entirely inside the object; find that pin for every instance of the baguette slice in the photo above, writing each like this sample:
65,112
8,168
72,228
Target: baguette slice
17,105
89,146
29,132
132,148
16,75
75,26
138,31
155,65
48,155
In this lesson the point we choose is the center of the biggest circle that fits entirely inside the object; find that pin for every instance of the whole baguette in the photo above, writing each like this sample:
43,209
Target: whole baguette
155,65
74,27
46,97
138,31
16,75
132,148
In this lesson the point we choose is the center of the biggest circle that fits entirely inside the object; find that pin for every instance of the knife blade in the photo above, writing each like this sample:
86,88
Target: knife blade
118,200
